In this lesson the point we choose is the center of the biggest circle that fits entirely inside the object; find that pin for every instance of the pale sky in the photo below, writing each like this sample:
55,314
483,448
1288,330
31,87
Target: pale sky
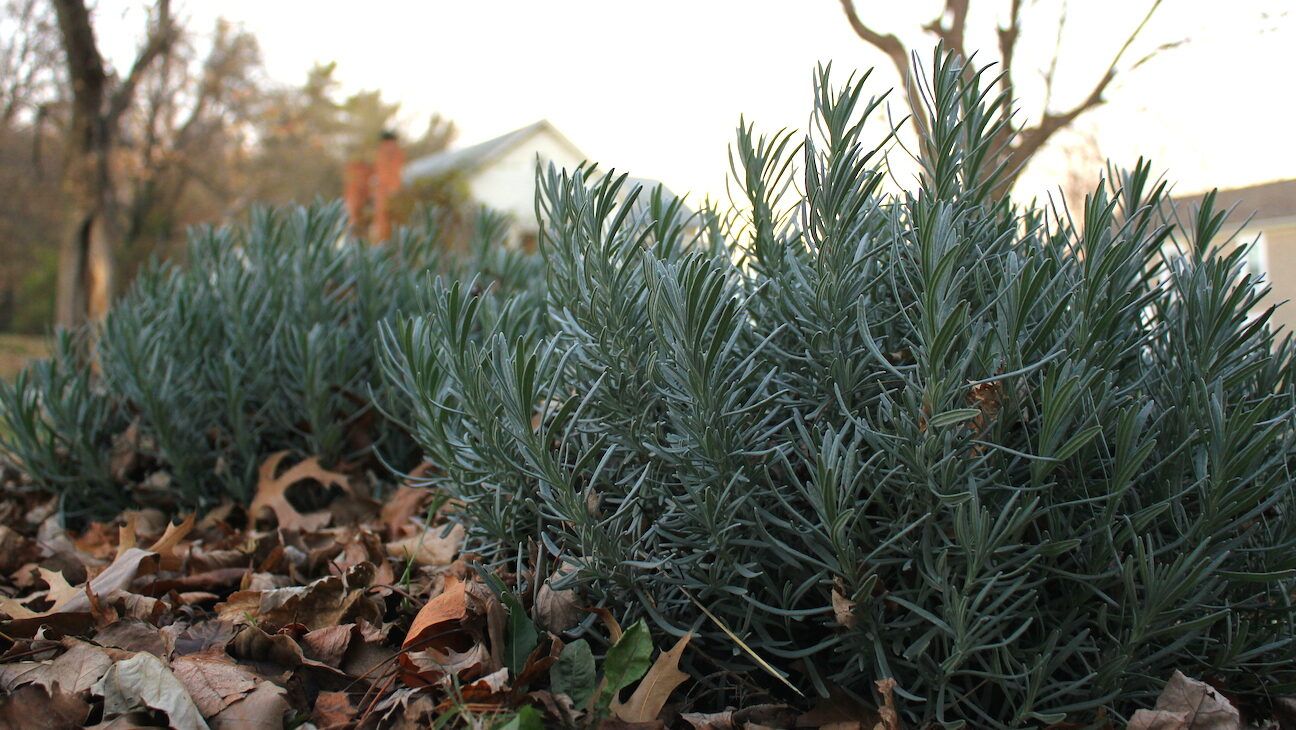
656,88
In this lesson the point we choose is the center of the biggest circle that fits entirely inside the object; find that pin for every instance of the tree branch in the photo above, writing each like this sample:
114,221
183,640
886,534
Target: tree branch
158,42
952,36
1008,49
1031,139
84,64
889,44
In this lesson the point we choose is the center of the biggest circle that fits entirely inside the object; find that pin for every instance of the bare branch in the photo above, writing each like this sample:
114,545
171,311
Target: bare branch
952,35
159,41
1008,47
1030,140
1168,46
889,44
1051,73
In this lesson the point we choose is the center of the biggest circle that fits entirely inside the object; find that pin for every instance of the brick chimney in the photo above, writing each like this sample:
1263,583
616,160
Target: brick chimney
388,163
355,191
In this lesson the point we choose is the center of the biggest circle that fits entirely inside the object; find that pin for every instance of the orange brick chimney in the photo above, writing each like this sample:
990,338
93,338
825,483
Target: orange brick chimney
355,192
367,188
388,163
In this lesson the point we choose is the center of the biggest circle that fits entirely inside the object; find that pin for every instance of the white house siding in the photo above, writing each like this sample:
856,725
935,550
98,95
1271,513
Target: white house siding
507,183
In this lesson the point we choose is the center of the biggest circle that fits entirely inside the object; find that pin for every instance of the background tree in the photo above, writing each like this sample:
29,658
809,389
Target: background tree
1026,134
307,134
188,141
103,171
30,209
98,101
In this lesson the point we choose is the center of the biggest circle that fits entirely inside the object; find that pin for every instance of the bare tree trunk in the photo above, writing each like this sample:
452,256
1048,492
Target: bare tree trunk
83,176
86,256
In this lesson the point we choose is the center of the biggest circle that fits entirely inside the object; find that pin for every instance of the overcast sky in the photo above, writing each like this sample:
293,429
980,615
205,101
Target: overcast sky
657,87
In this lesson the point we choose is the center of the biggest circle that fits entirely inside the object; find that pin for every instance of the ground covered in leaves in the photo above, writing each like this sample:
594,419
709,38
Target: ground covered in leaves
359,613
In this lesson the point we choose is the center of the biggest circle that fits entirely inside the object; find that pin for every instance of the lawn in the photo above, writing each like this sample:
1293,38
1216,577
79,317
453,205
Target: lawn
18,350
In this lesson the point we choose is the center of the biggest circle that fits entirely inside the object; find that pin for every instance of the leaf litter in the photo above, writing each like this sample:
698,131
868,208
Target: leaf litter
364,614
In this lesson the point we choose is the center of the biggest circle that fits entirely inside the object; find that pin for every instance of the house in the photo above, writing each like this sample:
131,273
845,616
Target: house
500,173
1269,212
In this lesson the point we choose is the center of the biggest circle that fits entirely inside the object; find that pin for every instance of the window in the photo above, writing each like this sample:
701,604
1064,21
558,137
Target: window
1257,264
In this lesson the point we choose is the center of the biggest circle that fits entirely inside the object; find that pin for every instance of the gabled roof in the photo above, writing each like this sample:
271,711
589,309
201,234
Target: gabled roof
475,157
467,159
1268,201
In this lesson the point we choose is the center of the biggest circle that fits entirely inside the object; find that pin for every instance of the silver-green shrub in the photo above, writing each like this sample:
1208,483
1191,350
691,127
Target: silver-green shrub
266,339
1025,462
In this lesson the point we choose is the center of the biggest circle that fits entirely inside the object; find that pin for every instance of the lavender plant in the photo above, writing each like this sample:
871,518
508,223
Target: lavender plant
266,340
1024,462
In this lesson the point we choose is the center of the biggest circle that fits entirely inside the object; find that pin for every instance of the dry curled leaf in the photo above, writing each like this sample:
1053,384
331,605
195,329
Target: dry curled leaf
648,699
75,670
1158,720
888,717
117,576
1206,708
445,637
263,709
329,644
35,708
843,609
839,710
557,610
747,718
432,546
213,680
333,711
143,682
320,604
399,509
272,491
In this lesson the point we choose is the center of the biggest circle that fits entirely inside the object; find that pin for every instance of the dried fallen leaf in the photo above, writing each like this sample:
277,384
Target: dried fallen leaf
60,591
328,645
203,636
263,709
322,603
1207,709
166,545
133,635
131,563
888,718
98,541
448,607
613,627
400,508
35,708
487,688
271,491
266,652
74,671
648,699
144,682
1158,720
430,547
446,635
213,680
557,610
428,666
843,609
333,711
753,716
